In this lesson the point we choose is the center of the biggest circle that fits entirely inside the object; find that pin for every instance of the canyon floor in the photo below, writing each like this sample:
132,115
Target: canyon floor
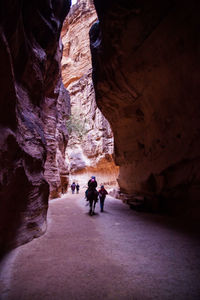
117,254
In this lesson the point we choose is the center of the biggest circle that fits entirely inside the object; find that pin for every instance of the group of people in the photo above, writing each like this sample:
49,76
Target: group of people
92,185
74,187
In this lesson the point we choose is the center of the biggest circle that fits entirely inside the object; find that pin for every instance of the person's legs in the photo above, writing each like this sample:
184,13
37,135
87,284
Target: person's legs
101,203
91,202
103,200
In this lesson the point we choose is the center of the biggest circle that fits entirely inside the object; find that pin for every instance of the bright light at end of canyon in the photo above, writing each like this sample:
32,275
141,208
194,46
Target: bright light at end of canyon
74,2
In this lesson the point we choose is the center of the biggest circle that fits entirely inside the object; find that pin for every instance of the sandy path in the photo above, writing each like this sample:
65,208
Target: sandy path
119,254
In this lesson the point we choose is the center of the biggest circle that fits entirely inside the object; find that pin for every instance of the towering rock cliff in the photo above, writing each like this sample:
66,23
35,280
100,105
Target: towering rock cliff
90,145
30,86
146,77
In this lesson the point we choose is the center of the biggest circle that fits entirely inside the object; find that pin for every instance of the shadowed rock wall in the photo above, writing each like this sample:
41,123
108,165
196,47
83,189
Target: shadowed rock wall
146,78
29,82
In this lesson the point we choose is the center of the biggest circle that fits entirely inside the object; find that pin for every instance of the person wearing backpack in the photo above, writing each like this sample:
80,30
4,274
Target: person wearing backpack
102,196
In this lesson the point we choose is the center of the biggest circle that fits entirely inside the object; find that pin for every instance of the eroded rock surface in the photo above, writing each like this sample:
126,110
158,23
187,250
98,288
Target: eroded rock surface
90,146
76,59
146,77
29,83
56,114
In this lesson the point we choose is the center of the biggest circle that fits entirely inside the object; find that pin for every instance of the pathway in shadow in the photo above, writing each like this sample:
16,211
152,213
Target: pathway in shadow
118,254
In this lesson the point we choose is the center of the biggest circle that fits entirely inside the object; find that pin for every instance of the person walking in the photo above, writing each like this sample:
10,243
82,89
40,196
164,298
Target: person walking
102,196
77,188
73,186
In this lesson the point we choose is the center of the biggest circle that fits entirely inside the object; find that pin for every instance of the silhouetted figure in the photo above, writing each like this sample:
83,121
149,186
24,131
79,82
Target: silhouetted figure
77,188
73,186
92,194
102,196
92,183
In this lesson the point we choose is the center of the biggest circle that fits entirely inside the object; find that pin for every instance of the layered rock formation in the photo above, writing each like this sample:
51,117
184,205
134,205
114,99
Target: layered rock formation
76,59
146,77
90,145
30,86
56,114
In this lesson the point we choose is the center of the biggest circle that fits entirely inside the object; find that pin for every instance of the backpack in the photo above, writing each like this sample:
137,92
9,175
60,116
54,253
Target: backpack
102,193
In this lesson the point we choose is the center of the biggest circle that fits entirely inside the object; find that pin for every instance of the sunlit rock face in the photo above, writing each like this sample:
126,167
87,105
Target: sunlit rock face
90,146
76,59
30,83
146,77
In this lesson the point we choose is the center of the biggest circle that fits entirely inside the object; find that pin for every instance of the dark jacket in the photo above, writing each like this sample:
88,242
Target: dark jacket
73,186
92,184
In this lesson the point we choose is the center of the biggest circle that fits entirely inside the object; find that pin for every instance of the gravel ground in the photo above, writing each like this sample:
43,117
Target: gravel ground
117,254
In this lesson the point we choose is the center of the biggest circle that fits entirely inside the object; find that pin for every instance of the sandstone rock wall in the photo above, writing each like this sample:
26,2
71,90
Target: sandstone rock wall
56,114
146,77
76,59
90,146
29,83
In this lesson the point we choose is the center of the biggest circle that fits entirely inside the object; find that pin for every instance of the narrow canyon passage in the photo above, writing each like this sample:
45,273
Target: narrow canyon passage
119,254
